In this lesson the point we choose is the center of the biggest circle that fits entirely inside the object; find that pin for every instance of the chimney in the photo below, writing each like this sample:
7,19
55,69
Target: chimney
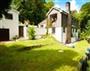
68,7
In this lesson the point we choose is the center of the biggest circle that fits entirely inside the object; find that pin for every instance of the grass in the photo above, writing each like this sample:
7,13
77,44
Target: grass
89,66
40,55
81,47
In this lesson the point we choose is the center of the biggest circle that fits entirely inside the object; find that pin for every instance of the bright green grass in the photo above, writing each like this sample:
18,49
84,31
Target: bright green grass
81,47
89,66
46,57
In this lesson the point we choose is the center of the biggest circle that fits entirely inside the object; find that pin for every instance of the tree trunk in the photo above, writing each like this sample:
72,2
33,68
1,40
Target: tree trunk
69,30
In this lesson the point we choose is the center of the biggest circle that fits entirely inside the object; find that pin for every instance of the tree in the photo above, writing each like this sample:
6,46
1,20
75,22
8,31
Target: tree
4,6
83,17
78,17
85,14
15,4
32,10
48,5
86,33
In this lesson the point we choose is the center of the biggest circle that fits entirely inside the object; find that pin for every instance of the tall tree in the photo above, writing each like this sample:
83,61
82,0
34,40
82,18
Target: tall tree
32,10
15,4
85,13
4,6
48,5
84,17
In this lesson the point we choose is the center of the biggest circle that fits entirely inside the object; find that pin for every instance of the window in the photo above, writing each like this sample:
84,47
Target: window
8,16
41,25
64,21
53,18
53,30
64,29
76,30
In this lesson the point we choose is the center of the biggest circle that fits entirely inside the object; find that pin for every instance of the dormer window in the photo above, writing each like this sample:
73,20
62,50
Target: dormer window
53,18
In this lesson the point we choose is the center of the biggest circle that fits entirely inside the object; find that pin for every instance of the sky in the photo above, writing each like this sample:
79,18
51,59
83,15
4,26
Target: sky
75,4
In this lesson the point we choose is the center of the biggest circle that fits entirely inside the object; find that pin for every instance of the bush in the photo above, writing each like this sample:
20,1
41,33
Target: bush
88,39
31,33
83,35
86,33
15,37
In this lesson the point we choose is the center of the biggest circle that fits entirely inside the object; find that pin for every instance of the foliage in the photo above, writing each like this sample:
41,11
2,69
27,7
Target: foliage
85,13
48,5
88,28
78,18
85,7
32,10
15,4
82,17
31,33
83,35
86,33
48,25
4,6
15,37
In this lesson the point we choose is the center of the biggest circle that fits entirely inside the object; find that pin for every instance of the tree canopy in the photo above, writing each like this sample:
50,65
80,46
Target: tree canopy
4,6
15,4
32,10
85,13
84,16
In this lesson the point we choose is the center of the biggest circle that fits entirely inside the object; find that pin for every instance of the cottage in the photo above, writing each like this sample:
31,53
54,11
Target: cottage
10,27
58,20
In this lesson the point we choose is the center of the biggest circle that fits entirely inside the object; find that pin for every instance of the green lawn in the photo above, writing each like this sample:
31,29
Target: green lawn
45,54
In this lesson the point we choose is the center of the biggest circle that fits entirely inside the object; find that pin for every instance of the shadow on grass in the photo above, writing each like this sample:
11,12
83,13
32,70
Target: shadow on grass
25,48
36,60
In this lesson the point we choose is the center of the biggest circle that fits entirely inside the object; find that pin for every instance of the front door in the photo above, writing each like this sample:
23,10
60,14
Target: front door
21,31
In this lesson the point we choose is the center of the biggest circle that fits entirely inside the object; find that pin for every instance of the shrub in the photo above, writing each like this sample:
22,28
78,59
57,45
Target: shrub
83,35
15,37
31,33
86,33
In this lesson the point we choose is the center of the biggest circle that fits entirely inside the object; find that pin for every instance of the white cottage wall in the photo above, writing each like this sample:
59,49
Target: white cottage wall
59,28
25,32
14,30
57,24
11,24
